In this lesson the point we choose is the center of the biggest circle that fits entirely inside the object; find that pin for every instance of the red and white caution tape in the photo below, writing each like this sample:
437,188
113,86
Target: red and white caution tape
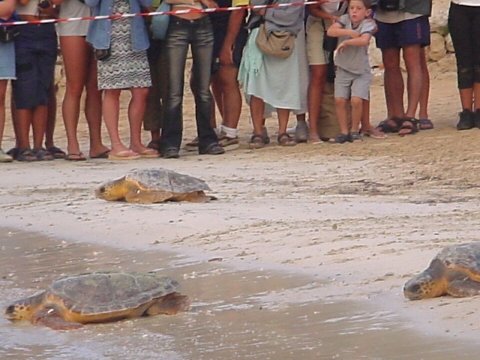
173,12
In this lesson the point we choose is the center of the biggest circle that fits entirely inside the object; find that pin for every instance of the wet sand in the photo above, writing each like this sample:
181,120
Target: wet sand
236,314
360,218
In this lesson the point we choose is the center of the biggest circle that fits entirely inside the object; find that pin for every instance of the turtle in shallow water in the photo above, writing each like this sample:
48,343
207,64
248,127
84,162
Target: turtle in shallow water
148,186
454,271
98,297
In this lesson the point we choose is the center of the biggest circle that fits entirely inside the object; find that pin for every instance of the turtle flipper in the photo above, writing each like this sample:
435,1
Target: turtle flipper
170,304
147,196
52,319
463,287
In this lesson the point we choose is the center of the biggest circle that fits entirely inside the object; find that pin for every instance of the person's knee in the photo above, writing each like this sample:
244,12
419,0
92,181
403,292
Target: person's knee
356,101
466,77
339,101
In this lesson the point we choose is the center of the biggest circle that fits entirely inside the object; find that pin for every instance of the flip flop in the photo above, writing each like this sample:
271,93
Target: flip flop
124,155
56,152
103,155
75,157
149,153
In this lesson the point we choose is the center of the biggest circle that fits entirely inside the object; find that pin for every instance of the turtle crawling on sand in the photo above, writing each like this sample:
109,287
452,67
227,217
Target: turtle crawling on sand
99,297
454,271
147,186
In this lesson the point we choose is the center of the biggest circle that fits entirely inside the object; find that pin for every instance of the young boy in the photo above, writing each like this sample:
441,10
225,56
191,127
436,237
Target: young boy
353,77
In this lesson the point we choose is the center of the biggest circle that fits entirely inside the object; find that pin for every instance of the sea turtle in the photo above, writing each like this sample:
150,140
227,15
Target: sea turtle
454,271
148,186
97,297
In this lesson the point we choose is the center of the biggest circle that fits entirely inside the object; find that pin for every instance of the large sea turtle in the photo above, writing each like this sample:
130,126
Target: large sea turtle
98,297
454,271
148,186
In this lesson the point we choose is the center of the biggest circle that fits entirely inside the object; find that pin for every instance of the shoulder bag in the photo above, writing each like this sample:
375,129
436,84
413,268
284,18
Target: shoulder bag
159,25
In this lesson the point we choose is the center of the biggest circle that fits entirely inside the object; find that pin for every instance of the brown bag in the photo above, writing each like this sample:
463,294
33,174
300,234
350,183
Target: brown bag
277,43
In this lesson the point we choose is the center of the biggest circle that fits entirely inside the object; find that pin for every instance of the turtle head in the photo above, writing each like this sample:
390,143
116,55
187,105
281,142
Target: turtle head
23,309
111,191
429,284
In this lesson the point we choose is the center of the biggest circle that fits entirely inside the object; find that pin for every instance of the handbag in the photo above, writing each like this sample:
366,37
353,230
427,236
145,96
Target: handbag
329,44
276,43
10,32
159,24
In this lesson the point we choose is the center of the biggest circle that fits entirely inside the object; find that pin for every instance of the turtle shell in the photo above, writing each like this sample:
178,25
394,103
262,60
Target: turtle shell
461,257
165,180
106,292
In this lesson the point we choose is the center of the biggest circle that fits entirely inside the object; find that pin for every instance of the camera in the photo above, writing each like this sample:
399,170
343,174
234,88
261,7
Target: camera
44,4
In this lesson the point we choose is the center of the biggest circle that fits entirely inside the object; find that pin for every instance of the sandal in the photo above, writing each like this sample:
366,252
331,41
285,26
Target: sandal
13,152
26,154
356,137
154,144
286,140
425,124
339,139
314,140
256,142
390,125
374,133
75,157
56,152
409,124
42,154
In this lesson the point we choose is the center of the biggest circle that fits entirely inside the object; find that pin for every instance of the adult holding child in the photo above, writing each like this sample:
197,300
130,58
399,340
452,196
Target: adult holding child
81,73
120,47
7,70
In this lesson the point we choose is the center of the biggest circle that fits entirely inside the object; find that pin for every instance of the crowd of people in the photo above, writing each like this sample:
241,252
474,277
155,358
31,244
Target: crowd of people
103,57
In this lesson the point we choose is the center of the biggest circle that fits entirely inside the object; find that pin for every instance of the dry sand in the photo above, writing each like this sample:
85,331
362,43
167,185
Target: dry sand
365,217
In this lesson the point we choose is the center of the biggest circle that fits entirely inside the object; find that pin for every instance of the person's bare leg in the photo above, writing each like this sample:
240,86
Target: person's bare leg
3,90
232,97
111,111
257,109
318,77
394,85
412,58
39,124
357,113
217,102
342,115
93,108
75,62
283,115
425,94
51,116
136,110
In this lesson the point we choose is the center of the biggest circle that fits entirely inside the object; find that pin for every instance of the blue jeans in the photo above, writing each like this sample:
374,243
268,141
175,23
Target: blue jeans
182,33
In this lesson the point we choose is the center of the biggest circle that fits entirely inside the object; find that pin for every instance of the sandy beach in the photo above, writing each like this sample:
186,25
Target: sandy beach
362,217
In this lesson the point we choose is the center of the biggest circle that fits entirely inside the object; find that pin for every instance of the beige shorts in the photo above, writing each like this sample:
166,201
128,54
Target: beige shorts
315,34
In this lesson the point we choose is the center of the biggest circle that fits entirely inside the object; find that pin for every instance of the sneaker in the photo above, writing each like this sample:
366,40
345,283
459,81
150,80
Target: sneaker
212,149
476,118
4,157
301,131
228,143
466,120
171,153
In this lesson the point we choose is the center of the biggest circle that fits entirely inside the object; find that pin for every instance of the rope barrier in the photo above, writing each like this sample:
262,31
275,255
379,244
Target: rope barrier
173,12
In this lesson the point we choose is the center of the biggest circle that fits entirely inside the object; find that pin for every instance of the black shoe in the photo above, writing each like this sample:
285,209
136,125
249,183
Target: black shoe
466,120
171,153
476,118
213,149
